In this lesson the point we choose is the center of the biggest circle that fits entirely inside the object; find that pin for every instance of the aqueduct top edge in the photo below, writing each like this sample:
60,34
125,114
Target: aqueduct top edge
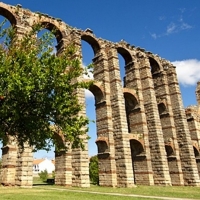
19,16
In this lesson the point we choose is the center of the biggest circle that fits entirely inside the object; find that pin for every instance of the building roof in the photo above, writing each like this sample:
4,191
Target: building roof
38,161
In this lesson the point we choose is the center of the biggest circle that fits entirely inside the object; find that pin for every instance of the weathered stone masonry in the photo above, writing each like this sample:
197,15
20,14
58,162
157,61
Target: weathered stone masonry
144,135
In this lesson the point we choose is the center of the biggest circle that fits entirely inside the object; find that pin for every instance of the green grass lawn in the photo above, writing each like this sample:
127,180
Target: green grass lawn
44,194
168,191
49,192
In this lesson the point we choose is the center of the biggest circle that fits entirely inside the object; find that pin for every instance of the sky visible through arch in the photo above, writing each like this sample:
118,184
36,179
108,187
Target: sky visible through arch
168,28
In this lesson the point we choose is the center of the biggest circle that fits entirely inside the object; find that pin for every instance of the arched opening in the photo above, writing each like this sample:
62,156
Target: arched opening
93,43
87,56
136,154
92,96
124,58
7,19
169,150
161,108
136,148
131,103
196,152
44,155
51,27
98,94
8,15
155,68
103,148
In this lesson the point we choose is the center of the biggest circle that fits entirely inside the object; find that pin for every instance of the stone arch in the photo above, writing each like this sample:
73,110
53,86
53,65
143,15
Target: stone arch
169,150
103,147
155,66
125,54
97,91
5,12
52,27
162,108
58,138
136,147
131,100
92,41
196,151
131,105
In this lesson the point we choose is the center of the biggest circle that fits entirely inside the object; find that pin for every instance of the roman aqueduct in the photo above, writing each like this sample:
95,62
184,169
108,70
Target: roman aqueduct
144,134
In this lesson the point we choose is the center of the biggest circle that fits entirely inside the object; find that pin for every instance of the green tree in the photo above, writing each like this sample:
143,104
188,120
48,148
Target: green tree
94,170
38,91
43,175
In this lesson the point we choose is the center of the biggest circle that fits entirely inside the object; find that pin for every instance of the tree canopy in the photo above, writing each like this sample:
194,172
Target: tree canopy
38,91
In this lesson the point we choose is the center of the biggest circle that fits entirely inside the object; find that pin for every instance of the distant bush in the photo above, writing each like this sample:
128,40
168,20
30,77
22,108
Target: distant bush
53,174
94,170
43,175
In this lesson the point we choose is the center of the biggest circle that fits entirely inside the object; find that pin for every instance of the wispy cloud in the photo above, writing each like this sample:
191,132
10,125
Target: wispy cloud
173,27
154,35
161,18
188,71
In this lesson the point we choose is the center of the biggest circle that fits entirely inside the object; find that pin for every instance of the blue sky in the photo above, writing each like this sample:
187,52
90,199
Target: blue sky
168,28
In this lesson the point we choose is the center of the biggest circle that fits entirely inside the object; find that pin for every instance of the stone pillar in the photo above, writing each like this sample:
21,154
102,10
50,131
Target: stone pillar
105,140
189,167
198,93
120,129
80,157
142,166
8,168
80,167
168,126
156,140
193,120
24,167
63,168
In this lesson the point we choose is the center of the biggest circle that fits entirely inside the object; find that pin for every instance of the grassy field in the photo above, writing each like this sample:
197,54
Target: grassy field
49,192
175,191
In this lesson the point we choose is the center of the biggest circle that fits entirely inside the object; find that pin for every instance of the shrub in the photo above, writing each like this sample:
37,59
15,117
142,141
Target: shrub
94,170
43,175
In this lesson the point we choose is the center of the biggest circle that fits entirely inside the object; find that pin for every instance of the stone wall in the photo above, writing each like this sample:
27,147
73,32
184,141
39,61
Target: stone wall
144,135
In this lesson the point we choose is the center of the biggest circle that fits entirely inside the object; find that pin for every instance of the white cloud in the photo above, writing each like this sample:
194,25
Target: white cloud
176,26
88,94
89,74
171,28
153,35
188,71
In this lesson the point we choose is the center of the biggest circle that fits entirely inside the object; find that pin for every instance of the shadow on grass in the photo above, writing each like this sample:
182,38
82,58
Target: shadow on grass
43,184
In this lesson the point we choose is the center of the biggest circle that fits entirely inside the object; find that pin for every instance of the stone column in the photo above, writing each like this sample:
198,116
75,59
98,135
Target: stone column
120,128
168,126
138,126
8,168
80,157
156,140
63,168
189,167
193,119
198,93
24,167
105,140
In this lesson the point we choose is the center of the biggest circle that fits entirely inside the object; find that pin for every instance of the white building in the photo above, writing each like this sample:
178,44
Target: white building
43,164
